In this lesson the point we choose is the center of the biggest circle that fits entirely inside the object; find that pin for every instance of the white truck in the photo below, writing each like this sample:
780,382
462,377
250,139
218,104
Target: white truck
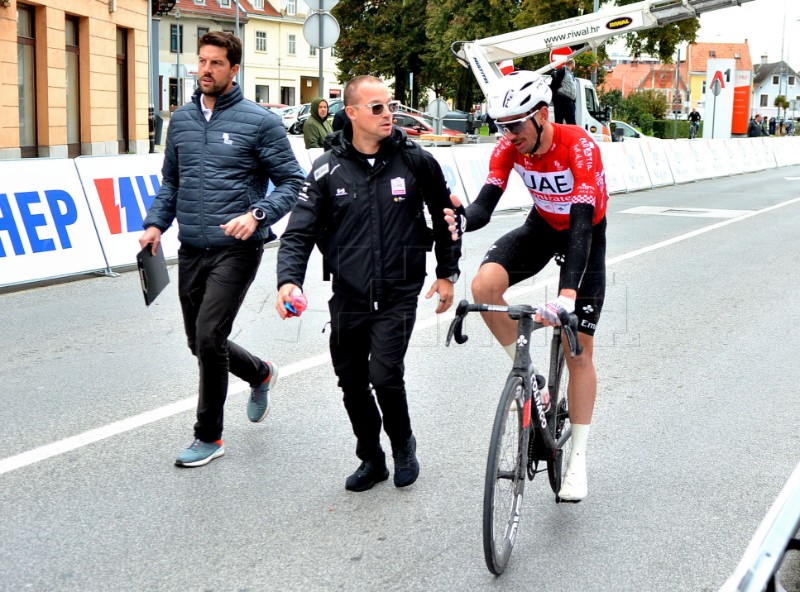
589,31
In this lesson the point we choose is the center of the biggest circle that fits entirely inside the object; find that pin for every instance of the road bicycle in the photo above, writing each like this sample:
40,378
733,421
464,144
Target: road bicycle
694,128
524,432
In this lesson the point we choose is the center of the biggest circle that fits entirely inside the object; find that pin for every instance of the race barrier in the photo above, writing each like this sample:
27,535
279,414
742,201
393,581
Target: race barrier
62,217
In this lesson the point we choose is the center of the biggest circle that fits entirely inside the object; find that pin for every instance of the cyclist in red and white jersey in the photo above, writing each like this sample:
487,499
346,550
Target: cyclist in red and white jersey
562,169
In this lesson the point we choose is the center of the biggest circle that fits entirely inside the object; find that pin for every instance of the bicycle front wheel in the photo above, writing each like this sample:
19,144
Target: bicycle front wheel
559,381
505,477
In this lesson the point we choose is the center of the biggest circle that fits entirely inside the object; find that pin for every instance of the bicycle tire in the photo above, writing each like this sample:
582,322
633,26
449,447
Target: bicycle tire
505,477
559,381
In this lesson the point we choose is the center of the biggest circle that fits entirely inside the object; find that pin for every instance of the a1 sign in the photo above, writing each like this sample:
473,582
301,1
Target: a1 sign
559,53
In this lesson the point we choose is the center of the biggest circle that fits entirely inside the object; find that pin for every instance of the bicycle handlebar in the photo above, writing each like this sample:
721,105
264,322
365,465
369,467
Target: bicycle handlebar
568,321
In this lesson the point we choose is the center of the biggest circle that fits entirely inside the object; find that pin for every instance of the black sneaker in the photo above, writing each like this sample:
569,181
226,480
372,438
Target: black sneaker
406,467
367,475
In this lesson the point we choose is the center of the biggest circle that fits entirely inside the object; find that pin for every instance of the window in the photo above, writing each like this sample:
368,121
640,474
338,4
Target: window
287,95
225,3
200,32
703,90
764,100
291,8
776,80
261,41
175,38
122,91
262,93
737,56
200,2
258,4
312,51
791,81
292,46
73,87
26,74
712,53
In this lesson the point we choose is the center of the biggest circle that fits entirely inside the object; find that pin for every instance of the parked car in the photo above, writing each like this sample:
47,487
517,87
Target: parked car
414,125
621,131
274,106
289,117
302,113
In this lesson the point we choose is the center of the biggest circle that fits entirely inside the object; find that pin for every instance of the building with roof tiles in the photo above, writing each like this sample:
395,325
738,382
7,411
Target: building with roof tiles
279,66
771,80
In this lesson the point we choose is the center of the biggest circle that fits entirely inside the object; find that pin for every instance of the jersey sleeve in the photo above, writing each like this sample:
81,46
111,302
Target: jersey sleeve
501,163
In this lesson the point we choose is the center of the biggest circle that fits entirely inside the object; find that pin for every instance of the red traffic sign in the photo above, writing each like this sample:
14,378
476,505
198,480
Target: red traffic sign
559,53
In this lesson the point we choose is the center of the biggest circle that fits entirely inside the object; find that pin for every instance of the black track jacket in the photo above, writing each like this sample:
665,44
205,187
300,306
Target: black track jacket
368,221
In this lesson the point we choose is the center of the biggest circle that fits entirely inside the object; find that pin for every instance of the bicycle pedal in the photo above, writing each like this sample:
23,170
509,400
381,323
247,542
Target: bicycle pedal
566,501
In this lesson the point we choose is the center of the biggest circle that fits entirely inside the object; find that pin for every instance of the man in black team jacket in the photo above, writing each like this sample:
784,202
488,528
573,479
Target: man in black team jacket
363,204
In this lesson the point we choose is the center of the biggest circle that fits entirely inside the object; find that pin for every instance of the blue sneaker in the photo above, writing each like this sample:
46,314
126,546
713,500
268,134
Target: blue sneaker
200,453
258,404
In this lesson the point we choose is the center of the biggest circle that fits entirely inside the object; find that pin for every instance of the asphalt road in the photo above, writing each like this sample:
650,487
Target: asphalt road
695,431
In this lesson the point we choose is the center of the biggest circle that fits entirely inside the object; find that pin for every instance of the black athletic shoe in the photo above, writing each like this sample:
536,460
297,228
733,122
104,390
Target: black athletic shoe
367,475
406,467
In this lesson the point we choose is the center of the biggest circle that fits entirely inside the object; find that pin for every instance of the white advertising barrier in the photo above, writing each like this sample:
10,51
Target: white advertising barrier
655,159
635,170
750,150
46,229
614,166
701,152
681,161
787,150
119,191
766,154
734,148
473,167
305,158
446,159
719,156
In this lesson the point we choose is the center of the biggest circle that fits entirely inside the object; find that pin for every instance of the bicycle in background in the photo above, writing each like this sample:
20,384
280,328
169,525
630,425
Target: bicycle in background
526,429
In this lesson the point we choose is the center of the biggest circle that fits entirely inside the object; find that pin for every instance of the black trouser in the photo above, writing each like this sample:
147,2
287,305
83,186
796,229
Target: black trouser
212,284
565,109
368,348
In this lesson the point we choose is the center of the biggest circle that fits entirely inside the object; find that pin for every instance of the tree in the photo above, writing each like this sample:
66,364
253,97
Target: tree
641,108
383,38
781,102
461,20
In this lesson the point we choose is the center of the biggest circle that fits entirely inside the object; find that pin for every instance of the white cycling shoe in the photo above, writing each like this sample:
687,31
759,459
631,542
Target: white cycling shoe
574,486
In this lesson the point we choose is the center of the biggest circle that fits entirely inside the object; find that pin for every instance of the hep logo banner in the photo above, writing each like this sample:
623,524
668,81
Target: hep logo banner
125,201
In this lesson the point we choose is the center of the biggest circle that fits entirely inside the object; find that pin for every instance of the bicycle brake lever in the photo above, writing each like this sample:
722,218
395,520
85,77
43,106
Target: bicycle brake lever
456,326
570,324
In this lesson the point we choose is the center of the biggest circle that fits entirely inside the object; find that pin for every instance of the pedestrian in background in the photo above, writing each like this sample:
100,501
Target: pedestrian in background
565,90
754,127
222,150
317,126
363,203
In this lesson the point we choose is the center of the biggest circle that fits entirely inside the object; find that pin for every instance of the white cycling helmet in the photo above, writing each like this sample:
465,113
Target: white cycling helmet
517,94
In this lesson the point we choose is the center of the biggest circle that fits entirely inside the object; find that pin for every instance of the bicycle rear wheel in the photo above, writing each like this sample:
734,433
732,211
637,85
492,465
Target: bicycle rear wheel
505,477
559,380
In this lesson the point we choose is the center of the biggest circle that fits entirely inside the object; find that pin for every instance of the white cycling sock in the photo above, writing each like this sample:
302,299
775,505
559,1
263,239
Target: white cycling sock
574,486
511,350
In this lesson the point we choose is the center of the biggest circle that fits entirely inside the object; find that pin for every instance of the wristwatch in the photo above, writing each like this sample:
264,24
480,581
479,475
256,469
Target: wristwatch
258,214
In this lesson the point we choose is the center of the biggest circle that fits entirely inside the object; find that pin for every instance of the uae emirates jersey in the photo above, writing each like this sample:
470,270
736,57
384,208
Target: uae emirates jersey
570,172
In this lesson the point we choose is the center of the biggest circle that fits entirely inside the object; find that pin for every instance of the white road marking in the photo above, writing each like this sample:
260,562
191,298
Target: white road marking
688,212
41,453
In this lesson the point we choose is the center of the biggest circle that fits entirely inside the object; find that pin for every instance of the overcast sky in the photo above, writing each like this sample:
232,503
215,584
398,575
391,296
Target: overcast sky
761,22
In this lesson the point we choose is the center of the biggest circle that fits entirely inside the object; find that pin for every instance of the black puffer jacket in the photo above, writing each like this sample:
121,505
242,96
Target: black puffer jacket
369,221
217,170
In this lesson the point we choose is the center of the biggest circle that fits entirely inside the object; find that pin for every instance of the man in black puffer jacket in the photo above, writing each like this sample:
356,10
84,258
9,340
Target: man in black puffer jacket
222,150
363,203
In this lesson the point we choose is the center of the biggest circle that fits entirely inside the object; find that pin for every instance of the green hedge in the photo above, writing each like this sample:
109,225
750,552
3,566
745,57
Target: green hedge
665,129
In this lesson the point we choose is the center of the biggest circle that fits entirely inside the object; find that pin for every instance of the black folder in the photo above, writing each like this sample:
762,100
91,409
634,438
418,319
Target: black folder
152,273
